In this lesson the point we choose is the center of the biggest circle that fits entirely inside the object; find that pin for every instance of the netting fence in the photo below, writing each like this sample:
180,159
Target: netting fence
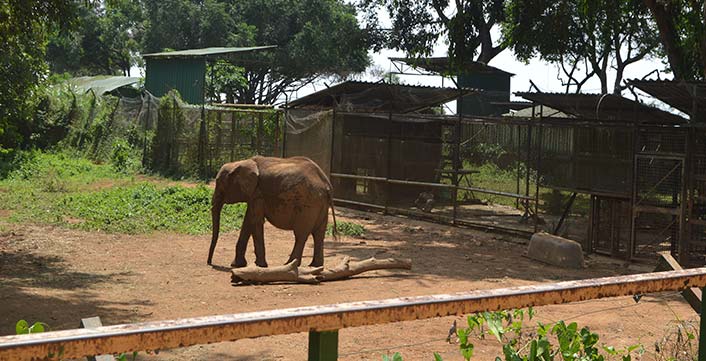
166,135
618,188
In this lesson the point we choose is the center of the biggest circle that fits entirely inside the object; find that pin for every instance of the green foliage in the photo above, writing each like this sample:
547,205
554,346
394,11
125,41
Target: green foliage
71,191
584,38
126,357
225,78
347,229
105,40
545,342
418,26
23,32
123,157
314,38
22,327
396,357
681,28
145,207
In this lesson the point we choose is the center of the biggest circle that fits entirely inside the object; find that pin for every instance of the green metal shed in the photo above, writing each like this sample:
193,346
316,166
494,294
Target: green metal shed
185,70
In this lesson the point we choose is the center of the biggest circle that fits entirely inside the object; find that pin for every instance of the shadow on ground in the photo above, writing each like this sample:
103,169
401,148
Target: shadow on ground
43,288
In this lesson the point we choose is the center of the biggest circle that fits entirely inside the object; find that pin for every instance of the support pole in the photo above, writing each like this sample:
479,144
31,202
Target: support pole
323,346
538,172
702,328
457,153
567,209
388,186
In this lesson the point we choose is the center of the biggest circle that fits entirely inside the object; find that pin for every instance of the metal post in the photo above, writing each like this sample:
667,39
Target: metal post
323,346
284,132
388,186
633,199
457,154
144,140
517,163
702,328
539,160
333,136
233,140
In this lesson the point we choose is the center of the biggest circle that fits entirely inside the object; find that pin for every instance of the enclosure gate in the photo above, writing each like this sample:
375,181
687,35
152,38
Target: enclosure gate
658,206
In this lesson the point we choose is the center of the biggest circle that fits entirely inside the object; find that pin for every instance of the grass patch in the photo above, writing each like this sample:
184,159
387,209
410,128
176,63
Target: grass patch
492,177
62,189
346,228
146,207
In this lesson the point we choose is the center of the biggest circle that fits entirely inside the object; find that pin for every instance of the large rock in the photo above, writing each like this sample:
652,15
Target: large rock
555,250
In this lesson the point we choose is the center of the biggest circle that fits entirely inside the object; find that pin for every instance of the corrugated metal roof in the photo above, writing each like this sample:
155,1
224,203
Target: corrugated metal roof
442,65
686,96
101,84
603,107
205,52
378,97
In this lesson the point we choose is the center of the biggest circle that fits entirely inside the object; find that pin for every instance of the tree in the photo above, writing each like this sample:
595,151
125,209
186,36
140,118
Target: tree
24,25
314,38
465,25
584,38
104,41
682,34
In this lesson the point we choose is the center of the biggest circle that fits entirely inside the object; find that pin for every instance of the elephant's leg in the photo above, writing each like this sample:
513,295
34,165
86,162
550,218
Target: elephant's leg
242,245
259,243
298,249
318,235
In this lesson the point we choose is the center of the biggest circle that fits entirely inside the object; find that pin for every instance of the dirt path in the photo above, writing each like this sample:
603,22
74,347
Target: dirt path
57,276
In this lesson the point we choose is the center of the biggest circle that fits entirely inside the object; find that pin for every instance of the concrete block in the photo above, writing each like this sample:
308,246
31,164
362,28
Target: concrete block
555,250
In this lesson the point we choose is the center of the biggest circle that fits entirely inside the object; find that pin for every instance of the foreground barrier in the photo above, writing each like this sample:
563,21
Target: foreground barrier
323,322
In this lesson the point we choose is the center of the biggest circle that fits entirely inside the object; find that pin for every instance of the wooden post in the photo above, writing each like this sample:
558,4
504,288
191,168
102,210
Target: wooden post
702,330
693,296
323,346
233,139
276,136
219,143
93,322
260,129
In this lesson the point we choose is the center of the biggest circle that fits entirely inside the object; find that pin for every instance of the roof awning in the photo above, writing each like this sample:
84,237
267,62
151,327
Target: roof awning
442,65
208,53
687,96
603,107
378,97
102,84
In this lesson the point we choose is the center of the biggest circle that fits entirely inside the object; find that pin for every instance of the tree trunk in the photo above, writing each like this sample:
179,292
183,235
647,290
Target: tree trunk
668,36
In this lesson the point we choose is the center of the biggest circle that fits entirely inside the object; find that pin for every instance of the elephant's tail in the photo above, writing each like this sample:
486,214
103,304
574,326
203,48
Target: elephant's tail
334,231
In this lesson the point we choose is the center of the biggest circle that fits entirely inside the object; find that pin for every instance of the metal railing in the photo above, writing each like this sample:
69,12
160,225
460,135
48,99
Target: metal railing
323,322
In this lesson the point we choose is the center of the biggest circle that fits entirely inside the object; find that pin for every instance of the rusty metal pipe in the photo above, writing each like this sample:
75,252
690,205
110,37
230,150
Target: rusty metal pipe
202,330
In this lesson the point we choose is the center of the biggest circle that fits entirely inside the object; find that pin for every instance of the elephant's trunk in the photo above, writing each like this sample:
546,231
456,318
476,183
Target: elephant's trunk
216,207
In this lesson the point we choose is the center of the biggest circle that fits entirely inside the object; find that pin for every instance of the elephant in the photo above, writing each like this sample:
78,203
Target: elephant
291,193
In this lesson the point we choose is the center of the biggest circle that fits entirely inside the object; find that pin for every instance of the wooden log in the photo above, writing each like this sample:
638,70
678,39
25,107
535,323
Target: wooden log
313,275
286,273
348,268
691,295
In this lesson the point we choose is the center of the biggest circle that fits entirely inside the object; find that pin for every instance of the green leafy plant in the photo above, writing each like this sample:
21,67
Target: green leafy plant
396,357
22,327
126,357
544,342
347,229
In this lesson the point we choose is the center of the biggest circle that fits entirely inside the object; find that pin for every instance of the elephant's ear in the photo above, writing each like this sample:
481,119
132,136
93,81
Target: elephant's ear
247,175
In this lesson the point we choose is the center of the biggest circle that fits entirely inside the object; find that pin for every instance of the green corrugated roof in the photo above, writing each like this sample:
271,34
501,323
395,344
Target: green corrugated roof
102,83
205,52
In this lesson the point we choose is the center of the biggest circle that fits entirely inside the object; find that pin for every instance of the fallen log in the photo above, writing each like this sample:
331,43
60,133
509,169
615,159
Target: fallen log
313,275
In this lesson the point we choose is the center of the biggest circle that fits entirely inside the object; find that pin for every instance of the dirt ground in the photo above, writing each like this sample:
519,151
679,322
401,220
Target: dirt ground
58,276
